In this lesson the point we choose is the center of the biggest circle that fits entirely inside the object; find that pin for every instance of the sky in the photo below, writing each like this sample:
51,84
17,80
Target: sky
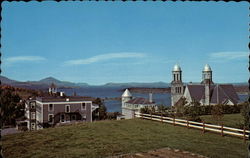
102,42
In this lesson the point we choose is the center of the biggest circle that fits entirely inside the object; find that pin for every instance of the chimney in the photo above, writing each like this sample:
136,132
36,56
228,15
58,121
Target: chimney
61,94
150,97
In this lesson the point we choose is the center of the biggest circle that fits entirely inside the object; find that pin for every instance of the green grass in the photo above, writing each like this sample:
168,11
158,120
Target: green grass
230,120
106,138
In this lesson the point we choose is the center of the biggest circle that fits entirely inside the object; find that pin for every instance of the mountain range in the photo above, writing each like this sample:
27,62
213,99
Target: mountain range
46,82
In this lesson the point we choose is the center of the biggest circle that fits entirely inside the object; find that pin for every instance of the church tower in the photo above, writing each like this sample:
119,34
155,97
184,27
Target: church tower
207,75
126,96
207,81
177,88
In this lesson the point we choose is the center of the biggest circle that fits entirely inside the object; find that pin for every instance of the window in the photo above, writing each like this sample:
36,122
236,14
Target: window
51,118
33,126
174,77
67,108
32,105
83,106
33,115
51,107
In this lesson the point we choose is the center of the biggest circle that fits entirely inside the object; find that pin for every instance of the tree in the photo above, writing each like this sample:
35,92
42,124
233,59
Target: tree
217,113
11,108
102,110
193,111
245,112
180,107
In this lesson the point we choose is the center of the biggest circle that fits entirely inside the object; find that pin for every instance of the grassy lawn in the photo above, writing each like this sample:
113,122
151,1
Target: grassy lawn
106,138
230,120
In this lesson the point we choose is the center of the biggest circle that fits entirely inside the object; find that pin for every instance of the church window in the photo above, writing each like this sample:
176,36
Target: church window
174,77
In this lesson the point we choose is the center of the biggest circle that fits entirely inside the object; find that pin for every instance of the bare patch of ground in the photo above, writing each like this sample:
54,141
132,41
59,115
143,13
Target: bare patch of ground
162,153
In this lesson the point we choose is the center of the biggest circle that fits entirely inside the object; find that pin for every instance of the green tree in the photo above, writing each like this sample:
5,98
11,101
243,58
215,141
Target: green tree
102,110
217,113
180,107
245,112
193,111
11,108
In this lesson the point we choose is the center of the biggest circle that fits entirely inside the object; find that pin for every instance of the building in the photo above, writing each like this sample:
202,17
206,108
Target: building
206,92
48,111
131,105
52,89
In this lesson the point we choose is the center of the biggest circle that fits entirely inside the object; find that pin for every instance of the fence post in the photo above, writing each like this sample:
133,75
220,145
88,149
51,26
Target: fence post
203,127
174,120
222,130
161,118
244,134
187,124
141,115
151,115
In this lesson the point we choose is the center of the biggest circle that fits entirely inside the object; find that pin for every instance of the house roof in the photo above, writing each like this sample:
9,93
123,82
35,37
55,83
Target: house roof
126,93
64,99
139,101
218,93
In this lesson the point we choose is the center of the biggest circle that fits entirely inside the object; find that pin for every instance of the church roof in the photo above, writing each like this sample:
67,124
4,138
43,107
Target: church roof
207,68
139,101
126,93
218,93
177,68
52,85
222,93
196,91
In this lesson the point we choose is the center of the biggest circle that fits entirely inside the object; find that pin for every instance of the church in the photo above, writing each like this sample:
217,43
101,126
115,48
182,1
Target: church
206,92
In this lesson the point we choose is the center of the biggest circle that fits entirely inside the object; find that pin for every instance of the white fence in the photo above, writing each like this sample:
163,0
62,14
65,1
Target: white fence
202,126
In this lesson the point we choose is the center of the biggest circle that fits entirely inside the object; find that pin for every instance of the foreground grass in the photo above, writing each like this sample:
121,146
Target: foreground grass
230,120
106,138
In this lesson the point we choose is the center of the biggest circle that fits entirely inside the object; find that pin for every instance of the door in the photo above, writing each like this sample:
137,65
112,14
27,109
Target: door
62,117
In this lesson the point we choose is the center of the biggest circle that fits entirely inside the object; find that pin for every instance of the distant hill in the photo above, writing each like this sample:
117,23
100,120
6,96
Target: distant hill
42,84
46,82
137,84
6,80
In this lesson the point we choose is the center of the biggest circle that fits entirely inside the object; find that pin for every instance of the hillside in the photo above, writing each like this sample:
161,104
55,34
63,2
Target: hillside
107,138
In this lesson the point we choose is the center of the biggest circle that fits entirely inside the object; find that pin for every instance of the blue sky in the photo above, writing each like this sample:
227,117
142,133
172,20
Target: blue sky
100,42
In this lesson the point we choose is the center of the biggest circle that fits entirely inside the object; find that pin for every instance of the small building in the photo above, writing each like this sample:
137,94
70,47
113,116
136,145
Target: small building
44,112
52,89
131,105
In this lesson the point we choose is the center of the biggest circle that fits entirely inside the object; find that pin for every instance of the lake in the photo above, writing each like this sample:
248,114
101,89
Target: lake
112,92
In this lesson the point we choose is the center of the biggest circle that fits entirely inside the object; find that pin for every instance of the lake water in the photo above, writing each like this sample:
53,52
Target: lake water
112,92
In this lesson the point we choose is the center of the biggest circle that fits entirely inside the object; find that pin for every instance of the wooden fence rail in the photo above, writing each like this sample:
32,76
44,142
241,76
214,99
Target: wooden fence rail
203,126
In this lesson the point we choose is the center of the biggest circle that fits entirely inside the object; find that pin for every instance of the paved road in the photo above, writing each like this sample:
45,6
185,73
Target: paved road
7,131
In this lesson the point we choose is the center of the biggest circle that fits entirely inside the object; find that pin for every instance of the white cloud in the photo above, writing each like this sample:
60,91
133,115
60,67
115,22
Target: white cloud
228,55
104,57
23,58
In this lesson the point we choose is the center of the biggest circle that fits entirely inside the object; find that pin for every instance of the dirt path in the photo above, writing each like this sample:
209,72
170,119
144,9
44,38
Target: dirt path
162,153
